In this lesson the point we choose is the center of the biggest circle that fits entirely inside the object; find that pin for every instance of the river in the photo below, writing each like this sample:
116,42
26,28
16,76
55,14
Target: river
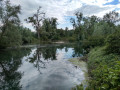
40,67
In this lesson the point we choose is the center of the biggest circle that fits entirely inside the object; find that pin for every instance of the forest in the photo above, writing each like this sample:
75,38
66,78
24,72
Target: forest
100,37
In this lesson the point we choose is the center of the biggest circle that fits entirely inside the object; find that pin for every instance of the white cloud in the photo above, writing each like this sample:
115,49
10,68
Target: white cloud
60,8
89,10
118,6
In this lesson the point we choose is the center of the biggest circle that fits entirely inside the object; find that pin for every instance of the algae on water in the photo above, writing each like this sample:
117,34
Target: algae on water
82,65
79,63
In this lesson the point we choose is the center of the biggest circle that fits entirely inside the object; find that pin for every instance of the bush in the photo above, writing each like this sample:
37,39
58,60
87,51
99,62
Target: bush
104,70
113,43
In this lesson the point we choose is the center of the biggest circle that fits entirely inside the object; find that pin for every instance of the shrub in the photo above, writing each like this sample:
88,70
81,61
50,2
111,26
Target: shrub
104,70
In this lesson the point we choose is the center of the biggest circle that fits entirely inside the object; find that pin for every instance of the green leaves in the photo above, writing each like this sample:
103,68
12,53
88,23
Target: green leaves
105,86
104,70
113,43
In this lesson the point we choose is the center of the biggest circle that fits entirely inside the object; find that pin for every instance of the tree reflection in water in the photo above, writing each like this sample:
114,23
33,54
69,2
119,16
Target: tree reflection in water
10,61
78,50
43,55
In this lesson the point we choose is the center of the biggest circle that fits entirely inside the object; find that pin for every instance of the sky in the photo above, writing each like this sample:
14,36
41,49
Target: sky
63,10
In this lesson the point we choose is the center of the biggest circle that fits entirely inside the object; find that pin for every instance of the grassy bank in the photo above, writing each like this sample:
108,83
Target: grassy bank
104,70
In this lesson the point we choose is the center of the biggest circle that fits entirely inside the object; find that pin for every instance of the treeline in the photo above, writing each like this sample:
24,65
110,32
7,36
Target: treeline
46,28
12,33
49,31
88,27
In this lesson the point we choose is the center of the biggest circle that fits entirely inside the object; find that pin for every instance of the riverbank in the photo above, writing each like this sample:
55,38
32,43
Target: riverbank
103,70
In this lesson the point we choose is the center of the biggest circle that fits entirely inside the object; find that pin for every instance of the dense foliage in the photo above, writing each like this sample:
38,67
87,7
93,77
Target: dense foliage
113,43
9,20
104,70
11,31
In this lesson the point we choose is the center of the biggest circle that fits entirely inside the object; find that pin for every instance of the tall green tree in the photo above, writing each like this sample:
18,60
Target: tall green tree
103,28
88,25
9,21
8,16
49,28
77,24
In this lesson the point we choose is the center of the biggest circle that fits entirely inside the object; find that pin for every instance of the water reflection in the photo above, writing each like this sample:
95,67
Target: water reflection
78,50
43,54
14,62
10,61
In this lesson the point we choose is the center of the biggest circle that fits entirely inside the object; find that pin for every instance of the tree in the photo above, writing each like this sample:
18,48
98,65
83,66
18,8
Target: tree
77,24
49,28
8,16
72,20
9,21
111,17
26,35
66,31
102,29
36,20
12,37
50,24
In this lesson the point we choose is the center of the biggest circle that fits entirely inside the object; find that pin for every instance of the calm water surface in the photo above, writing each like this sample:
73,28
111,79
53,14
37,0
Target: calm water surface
43,67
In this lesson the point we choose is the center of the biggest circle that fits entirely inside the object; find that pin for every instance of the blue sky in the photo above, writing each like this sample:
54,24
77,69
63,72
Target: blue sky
65,9
114,2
